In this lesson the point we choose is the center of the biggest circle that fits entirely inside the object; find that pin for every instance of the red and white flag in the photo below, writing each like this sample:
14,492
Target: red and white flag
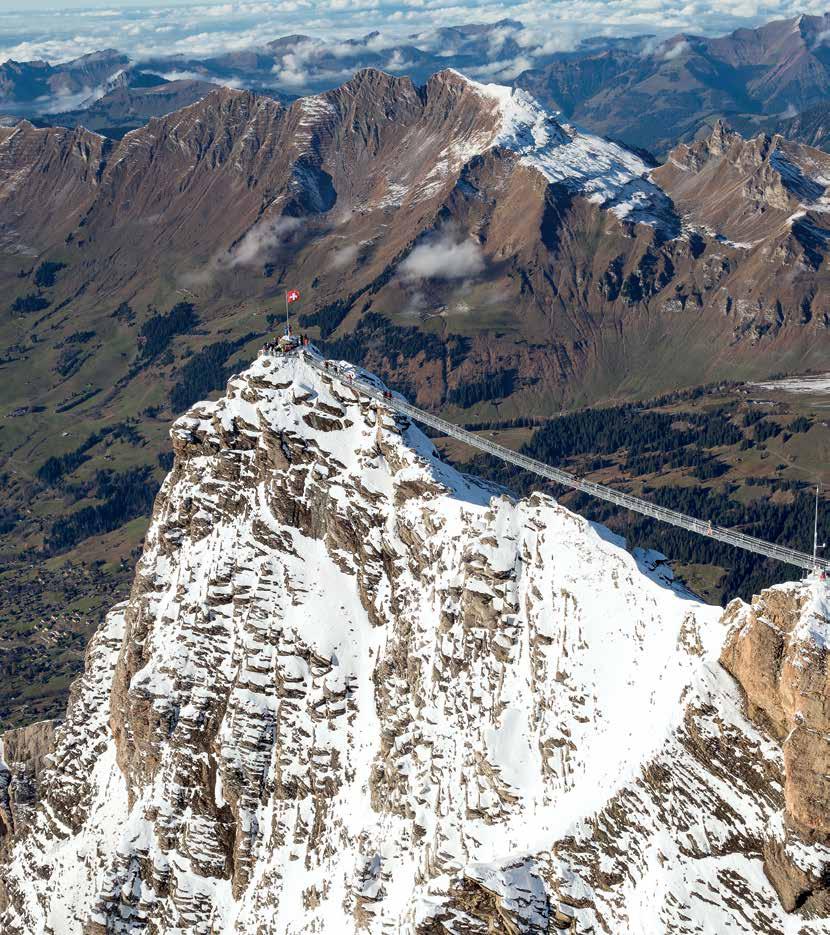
292,295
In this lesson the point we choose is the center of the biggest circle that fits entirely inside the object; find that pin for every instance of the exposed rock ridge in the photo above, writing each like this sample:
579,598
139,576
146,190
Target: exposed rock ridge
748,190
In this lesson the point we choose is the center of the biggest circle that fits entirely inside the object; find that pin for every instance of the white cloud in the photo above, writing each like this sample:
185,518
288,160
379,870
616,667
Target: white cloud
344,257
229,82
504,70
676,50
497,38
381,42
70,101
547,41
398,62
443,256
262,237
310,60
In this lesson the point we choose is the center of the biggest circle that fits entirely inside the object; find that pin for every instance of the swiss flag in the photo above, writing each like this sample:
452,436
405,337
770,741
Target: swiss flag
292,295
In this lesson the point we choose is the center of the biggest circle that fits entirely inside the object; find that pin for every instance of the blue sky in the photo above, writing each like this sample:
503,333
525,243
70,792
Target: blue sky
57,31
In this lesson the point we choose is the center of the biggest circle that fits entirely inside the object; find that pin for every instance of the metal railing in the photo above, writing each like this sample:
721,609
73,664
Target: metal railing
627,501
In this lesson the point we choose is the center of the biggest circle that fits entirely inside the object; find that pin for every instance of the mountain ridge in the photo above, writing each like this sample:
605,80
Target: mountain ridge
305,177
650,92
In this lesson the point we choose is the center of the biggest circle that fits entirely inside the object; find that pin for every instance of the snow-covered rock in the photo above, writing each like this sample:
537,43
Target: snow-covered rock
605,172
354,689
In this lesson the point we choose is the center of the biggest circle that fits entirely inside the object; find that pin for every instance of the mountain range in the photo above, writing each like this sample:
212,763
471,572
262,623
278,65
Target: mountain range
31,84
333,676
461,214
485,256
645,91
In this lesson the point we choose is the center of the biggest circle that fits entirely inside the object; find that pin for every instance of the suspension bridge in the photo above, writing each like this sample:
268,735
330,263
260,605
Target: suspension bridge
702,527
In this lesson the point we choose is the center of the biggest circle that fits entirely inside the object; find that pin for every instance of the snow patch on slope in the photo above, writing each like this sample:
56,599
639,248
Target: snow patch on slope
607,173
818,383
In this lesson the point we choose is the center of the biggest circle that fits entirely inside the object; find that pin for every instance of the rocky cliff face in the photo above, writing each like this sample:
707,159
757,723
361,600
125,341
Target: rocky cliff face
23,755
777,649
355,690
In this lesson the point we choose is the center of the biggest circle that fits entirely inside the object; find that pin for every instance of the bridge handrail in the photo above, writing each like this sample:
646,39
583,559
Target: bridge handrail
628,501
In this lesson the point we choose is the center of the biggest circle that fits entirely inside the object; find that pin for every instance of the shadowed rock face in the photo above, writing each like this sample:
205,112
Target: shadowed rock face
352,686
22,760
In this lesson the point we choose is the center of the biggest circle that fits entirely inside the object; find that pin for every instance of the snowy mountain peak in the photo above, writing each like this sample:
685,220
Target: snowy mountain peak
354,689
292,398
459,119
606,172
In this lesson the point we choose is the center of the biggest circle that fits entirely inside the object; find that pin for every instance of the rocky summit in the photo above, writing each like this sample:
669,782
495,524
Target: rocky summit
354,690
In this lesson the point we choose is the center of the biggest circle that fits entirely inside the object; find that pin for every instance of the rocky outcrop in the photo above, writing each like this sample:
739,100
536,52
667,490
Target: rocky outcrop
22,759
777,649
352,687
746,191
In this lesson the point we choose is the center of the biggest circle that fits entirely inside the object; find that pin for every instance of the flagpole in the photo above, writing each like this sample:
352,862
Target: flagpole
285,296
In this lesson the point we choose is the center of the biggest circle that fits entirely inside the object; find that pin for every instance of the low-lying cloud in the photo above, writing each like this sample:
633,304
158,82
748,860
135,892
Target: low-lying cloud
264,239
40,29
443,256
261,238
229,81
344,257
676,50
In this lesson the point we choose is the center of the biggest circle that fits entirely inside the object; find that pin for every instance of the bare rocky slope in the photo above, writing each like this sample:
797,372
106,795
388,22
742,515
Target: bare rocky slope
355,690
